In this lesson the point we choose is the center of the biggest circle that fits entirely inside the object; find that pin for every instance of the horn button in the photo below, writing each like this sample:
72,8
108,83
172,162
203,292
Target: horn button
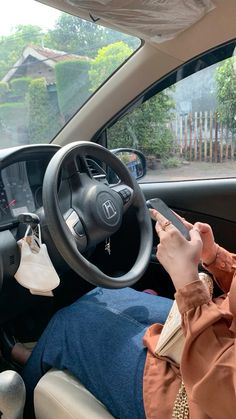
108,210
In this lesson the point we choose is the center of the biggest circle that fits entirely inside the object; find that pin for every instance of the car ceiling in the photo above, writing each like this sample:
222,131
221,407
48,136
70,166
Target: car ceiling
151,62
154,21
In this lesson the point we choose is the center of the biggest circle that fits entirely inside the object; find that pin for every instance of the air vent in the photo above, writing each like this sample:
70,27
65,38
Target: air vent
96,170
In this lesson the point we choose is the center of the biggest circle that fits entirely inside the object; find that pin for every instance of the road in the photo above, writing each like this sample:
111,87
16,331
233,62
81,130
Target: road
193,170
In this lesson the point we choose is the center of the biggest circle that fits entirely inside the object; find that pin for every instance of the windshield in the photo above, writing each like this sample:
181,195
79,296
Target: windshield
50,64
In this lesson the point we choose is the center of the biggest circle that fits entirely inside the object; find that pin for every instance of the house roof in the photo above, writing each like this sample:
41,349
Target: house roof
49,56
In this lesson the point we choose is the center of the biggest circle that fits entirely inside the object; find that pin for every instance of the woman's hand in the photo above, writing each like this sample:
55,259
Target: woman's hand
179,256
209,248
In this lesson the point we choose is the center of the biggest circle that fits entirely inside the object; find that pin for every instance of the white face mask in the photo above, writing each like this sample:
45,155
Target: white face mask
36,271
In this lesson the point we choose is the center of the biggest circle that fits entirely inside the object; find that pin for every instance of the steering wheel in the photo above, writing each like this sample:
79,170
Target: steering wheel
96,211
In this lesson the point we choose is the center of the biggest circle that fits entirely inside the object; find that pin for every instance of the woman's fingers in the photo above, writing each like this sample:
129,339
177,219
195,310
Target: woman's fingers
162,221
185,222
152,213
195,235
203,228
163,226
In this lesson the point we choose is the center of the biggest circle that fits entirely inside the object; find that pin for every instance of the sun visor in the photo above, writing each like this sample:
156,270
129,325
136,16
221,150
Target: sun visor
153,20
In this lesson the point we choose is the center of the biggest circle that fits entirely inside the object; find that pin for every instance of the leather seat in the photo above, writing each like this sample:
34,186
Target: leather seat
12,395
59,395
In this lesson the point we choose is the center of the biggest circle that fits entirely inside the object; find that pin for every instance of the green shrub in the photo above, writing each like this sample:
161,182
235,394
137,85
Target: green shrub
4,89
43,122
20,86
72,85
13,115
170,162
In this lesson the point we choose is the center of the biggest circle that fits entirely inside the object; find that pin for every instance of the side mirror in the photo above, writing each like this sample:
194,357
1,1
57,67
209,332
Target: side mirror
134,160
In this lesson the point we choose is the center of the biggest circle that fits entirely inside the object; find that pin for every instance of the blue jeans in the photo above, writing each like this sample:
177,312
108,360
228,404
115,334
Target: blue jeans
99,340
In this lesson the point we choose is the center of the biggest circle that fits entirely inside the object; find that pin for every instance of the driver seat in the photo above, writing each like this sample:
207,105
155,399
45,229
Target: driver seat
60,395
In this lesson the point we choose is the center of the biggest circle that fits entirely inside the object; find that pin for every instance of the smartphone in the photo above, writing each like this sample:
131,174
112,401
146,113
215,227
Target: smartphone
160,206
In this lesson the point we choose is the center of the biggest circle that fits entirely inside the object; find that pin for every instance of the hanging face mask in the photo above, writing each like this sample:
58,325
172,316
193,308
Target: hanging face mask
36,271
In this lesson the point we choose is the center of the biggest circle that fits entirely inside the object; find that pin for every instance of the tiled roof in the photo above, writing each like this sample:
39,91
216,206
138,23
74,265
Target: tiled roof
55,55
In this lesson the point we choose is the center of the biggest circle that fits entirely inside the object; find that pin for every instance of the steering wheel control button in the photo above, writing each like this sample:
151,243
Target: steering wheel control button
125,195
108,209
79,229
72,220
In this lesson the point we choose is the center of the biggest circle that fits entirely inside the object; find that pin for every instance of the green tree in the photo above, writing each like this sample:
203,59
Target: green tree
145,128
107,60
43,122
75,35
81,37
226,93
11,46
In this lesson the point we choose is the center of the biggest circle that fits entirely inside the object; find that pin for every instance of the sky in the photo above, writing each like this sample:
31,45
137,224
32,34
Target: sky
24,12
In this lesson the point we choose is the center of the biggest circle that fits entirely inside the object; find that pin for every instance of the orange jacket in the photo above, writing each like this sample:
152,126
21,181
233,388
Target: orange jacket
208,365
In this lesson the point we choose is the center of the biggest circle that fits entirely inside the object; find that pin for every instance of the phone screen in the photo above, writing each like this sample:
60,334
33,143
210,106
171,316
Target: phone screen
160,206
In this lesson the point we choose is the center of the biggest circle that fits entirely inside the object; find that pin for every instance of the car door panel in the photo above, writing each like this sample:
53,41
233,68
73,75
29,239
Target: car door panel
210,201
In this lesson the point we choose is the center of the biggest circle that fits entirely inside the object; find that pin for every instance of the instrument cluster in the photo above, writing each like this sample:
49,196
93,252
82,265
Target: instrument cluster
20,189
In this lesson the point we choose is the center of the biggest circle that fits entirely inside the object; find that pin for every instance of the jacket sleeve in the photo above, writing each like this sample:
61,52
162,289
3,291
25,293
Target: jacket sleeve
223,268
208,364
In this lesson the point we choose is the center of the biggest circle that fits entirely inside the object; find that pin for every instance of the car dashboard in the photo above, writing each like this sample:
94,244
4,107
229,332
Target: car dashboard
22,171
20,189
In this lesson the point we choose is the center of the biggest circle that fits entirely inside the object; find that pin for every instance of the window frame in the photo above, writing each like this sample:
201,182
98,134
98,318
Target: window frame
200,62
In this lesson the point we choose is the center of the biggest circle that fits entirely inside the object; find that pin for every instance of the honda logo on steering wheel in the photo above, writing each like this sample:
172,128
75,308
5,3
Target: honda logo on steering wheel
109,209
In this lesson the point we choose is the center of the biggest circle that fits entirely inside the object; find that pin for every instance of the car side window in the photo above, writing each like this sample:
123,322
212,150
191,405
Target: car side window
187,131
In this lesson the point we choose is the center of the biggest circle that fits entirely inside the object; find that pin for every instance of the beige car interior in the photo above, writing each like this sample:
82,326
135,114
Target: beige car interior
58,394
